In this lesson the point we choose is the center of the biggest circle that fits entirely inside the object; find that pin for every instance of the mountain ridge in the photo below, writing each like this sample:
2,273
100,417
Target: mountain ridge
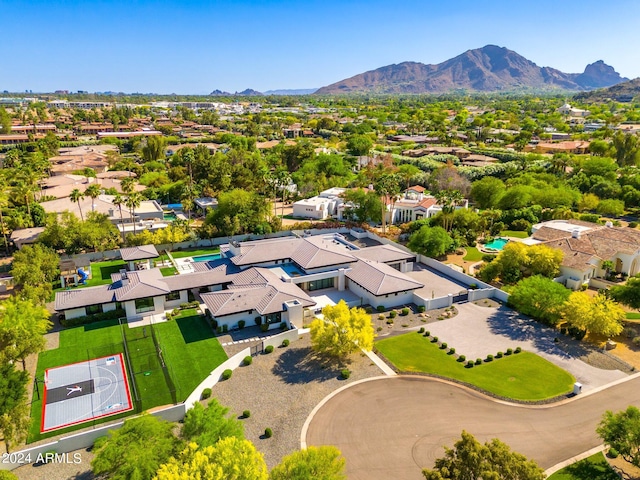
487,69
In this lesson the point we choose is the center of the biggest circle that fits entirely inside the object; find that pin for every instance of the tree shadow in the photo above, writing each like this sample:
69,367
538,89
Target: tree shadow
303,365
519,328
592,471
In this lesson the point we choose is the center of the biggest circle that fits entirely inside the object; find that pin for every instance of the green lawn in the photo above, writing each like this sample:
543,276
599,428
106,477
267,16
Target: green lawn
473,254
168,271
594,467
195,252
190,349
633,316
516,376
188,345
513,233
100,274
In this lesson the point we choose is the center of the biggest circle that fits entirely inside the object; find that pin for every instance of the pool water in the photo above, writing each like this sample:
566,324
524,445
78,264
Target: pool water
169,216
497,243
206,258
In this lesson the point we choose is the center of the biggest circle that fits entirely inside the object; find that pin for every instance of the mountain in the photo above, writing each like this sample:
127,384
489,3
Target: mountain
622,92
219,93
249,92
294,91
487,69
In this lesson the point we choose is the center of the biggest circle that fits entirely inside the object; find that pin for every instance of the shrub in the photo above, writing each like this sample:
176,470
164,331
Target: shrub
219,329
390,321
629,332
381,316
345,373
214,324
473,286
443,346
421,309
283,325
246,414
633,224
612,453
427,333
452,351
499,355
405,312
434,340
563,330
241,324
225,328
193,304
509,351
264,327
206,393
478,361
258,320
421,330
248,360
268,432
462,358
268,349
379,329
380,308
469,364
517,350
369,310
96,317
392,314
285,342
489,358
636,341
226,375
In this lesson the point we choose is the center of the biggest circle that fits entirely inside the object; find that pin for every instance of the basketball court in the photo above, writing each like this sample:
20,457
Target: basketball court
84,391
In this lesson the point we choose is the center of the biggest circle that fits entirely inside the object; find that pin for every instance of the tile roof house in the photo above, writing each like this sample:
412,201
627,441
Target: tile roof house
586,245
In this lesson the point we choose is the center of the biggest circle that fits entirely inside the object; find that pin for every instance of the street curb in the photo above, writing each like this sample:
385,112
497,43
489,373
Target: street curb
549,471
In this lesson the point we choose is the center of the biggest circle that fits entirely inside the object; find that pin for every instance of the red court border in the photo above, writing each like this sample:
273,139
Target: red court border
64,425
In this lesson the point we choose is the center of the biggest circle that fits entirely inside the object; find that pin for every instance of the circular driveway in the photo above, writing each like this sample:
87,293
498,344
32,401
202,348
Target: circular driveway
393,427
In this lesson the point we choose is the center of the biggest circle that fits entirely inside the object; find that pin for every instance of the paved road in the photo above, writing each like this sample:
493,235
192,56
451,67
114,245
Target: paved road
391,428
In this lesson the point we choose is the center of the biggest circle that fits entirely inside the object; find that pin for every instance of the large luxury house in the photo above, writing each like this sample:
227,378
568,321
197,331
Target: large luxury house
586,246
265,281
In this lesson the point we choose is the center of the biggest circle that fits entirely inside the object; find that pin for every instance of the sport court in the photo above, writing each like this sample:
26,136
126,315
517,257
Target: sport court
84,391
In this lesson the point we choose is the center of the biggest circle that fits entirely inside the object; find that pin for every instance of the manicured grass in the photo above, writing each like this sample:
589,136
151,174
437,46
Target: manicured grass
517,376
513,233
633,316
168,271
594,467
195,252
473,254
190,349
100,274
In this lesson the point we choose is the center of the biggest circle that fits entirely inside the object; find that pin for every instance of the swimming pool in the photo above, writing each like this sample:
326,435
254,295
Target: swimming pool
497,244
206,258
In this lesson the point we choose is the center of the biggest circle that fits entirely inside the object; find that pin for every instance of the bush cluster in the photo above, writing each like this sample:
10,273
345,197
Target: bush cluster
405,312
462,358
246,413
206,393
285,342
345,373
226,375
380,308
421,330
268,349
96,317
268,432
248,360
392,314
421,309
241,324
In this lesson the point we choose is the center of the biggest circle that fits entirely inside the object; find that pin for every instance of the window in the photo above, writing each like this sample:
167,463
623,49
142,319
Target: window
273,318
93,309
320,284
144,305
172,296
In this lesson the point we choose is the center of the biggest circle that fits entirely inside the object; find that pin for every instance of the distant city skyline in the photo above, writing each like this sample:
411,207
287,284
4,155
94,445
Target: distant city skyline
197,46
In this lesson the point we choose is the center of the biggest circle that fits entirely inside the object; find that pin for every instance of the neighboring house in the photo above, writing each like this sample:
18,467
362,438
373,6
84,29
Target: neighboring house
25,236
148,211
265,281
576,146
586,245
415,204
321,206
567,109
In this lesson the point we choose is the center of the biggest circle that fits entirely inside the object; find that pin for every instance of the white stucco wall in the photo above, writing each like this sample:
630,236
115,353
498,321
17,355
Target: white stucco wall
184,298
75,313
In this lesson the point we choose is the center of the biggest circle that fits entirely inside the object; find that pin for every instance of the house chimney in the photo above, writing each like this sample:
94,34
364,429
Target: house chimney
575,234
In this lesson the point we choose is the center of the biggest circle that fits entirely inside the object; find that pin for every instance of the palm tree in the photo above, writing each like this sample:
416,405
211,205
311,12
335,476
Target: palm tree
93,191
76,196
448,199
133,202
127,185
388,188
118,201
4,202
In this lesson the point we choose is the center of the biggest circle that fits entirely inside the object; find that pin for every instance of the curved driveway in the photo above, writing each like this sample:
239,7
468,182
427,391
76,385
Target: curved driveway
391,428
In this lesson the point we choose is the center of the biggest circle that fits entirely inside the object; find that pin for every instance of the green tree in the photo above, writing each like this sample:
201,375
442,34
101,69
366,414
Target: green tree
539,297
14,412
408,172
33,269
621,430
207,426
154,149
132,202
610,207
387,187
359,145
239,211
5,122
229,459
433,242
342,331
92,191
470,460
76,196
362,205
22,327
118,201
487,192
518,260
317,463
628,294
627,148
136,450
598,314
6,475
588,202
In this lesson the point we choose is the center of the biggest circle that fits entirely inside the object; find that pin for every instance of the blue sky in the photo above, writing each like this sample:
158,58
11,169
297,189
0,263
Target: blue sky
197,46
